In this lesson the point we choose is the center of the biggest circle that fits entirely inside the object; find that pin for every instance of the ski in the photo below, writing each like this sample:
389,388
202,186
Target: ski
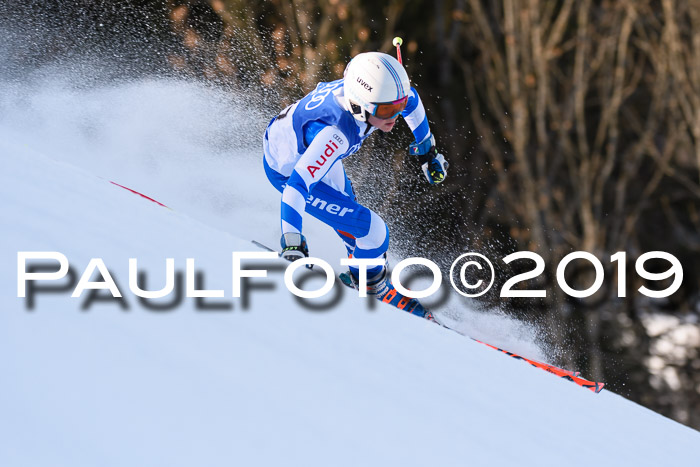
573,376
396,299
413,306
264,247
392,297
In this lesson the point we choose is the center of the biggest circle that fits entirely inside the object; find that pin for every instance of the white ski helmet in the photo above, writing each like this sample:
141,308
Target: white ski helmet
375,84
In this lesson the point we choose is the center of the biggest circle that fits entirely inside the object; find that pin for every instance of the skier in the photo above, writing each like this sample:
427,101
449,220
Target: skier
304,146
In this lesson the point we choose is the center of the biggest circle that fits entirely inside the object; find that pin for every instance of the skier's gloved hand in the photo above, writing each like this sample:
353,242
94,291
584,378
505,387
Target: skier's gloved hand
435,168
432,162
293,246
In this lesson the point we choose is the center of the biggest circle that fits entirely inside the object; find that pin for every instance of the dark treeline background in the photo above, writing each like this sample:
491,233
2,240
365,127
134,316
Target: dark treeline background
569,125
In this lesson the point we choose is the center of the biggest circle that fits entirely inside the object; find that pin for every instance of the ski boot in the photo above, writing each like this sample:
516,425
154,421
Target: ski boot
383,290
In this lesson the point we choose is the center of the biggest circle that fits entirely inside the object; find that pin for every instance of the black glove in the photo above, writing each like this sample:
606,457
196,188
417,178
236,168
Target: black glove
432,162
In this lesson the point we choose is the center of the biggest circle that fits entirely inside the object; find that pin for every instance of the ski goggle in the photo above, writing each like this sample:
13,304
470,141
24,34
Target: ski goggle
389,110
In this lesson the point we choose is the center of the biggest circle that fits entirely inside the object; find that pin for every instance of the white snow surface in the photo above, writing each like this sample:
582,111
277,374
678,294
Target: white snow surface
275,384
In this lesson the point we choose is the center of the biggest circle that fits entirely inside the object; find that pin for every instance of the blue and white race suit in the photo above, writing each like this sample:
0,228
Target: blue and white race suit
304,147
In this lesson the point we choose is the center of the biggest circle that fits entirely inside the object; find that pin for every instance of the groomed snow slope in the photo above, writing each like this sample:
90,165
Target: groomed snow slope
273,385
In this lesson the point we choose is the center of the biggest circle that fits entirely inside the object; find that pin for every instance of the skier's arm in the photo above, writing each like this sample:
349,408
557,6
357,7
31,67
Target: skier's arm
325,150
432,162
415,117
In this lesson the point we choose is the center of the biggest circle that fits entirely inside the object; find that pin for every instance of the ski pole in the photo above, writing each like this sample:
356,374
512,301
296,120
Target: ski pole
397,43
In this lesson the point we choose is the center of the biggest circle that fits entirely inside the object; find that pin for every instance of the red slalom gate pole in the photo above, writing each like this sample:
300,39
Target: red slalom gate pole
397,43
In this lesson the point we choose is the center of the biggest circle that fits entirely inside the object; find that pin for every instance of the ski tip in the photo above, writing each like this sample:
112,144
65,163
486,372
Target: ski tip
594,386
264,247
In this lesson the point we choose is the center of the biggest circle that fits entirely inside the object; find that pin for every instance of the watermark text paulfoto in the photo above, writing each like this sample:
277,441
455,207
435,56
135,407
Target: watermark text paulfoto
471,275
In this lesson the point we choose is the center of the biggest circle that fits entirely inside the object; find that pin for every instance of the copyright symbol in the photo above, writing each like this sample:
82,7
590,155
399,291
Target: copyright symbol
471,270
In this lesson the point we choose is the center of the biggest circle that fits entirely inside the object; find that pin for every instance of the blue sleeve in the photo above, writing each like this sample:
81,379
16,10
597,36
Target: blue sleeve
415,117
311,129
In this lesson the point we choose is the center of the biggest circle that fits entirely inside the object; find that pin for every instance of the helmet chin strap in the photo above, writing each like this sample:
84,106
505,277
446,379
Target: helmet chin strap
369,125
367,115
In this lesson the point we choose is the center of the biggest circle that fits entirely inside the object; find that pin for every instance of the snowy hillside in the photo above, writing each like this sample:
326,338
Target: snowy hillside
88,383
